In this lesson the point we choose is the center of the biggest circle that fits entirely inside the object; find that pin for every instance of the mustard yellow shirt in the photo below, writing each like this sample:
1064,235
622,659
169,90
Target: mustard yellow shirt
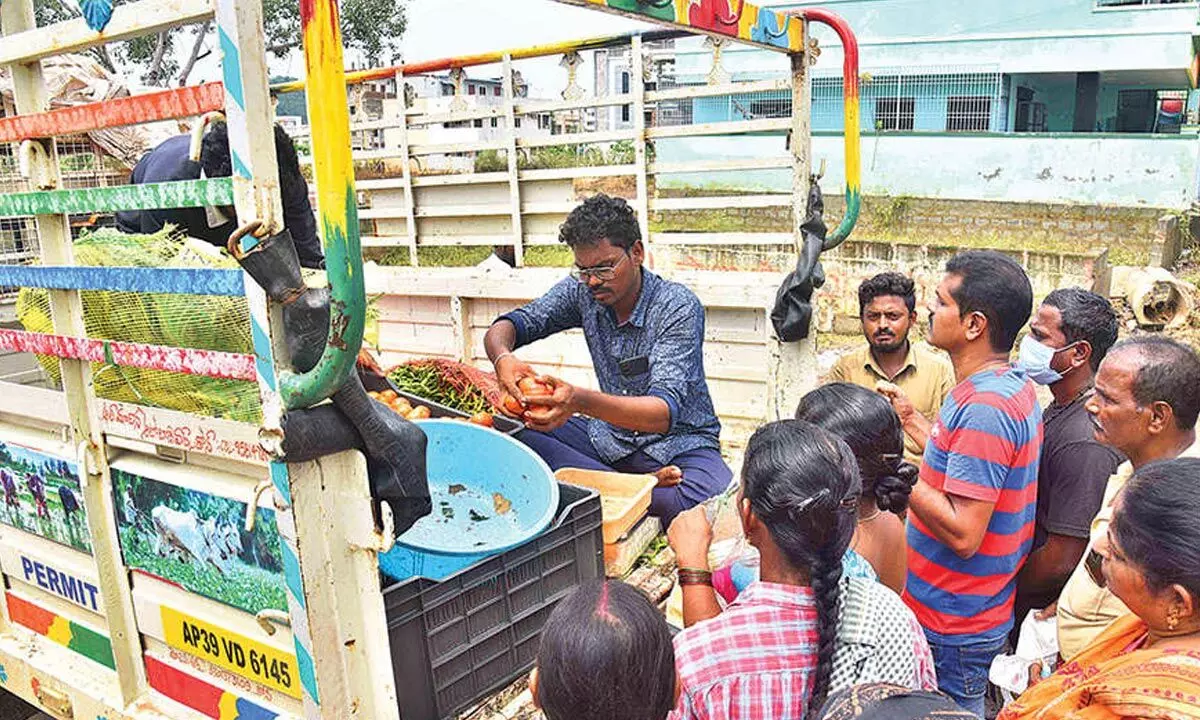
927,377
1084,608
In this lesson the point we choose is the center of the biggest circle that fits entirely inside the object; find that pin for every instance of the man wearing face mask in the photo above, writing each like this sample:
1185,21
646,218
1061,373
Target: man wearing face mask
1068,337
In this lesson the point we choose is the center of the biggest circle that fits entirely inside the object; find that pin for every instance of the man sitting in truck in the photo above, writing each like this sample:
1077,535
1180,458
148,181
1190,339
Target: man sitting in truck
653,412
170,161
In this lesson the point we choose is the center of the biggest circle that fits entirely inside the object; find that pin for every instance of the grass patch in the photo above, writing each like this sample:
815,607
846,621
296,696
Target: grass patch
714,221
245,587
469,255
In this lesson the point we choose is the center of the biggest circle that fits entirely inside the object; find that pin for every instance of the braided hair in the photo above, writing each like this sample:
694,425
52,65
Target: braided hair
866,421
802,483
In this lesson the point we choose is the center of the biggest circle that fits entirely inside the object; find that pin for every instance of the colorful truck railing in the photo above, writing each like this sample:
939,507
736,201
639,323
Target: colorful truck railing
87,483
119,626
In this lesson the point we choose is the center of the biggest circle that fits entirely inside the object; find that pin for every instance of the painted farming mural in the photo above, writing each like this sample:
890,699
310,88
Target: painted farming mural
198,541
42,496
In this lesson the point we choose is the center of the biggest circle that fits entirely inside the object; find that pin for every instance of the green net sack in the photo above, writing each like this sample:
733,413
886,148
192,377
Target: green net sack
191,321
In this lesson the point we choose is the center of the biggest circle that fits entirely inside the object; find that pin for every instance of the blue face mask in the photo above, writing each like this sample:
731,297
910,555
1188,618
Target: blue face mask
1035,358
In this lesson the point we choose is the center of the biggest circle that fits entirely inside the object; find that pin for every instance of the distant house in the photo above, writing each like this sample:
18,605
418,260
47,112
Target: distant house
987,99
1119,66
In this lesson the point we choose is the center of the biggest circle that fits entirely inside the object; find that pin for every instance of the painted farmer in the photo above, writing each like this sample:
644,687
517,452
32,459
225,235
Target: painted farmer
653,412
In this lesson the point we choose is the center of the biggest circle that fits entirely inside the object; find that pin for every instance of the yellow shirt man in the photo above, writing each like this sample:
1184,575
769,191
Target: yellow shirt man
926,377
1084,608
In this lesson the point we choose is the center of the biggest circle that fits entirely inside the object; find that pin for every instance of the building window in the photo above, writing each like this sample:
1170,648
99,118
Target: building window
625,91
479,123
894,113
447,90
773,108
470,89
496,91
494,123
969,113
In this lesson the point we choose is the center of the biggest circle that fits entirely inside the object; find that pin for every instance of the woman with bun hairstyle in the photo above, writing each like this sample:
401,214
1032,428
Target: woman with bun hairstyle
866,422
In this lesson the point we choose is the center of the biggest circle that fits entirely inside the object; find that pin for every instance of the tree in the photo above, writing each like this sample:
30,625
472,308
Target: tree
370,27
153,54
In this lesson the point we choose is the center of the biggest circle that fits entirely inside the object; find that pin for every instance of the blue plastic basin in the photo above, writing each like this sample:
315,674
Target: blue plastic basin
490,493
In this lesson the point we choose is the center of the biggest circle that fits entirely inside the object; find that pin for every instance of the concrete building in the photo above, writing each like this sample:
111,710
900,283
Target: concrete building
1066,101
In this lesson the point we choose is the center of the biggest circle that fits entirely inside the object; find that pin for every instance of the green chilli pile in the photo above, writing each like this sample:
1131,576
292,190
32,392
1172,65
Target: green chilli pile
435,381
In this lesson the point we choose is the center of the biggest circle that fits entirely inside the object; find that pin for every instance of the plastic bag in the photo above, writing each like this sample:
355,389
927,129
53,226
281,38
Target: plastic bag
1037,642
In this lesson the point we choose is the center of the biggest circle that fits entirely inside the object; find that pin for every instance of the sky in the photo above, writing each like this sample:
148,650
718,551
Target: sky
444,28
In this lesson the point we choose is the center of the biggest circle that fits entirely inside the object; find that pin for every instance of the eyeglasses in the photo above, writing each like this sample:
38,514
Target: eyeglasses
1094,564
603,274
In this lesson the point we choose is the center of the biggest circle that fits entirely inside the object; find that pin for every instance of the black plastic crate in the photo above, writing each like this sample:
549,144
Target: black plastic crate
503,423
457,641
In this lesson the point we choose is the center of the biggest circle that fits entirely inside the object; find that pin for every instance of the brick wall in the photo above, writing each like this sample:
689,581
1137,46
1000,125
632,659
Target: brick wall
1127,233
847,266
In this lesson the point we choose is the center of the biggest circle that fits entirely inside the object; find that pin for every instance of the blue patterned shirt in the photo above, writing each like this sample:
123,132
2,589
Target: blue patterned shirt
667,329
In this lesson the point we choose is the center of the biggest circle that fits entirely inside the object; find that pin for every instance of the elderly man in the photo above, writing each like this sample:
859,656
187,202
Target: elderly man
653,412
1145,406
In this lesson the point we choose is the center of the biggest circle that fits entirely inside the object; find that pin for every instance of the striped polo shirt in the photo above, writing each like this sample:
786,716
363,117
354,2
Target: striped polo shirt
984,446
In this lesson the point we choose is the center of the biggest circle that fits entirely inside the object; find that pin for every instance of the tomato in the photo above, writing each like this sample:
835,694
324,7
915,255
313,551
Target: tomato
511,405
532,387
388,396
420,412
484,419
372,394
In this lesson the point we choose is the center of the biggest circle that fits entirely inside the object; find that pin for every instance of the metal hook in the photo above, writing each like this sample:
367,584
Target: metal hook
234,246
252,506
269,618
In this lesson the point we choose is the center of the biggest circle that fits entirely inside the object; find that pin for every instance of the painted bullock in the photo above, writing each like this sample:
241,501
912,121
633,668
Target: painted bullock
187,538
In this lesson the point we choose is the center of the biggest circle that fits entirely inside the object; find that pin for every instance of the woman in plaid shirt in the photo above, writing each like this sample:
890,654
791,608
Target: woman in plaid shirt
770,654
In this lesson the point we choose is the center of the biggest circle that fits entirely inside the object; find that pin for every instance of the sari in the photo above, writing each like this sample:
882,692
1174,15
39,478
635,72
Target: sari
882,701
1114,677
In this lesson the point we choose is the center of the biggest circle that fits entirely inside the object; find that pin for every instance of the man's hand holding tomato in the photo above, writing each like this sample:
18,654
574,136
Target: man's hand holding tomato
551,403
510,370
